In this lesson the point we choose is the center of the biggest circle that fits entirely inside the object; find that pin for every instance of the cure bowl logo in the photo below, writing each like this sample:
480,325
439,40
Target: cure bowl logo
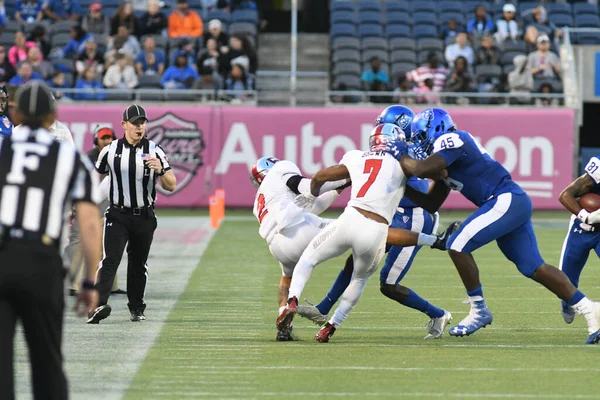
183,142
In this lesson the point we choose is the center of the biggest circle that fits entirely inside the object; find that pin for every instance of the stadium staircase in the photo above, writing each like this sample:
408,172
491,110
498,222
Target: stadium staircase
273,80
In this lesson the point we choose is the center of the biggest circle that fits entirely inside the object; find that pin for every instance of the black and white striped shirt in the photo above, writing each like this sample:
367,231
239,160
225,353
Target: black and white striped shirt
39,180
132,183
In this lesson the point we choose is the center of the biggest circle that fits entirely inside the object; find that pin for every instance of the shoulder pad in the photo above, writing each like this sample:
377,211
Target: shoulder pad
593,169
447,141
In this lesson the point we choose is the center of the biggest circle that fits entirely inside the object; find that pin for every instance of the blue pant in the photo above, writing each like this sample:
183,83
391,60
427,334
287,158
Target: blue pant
399,259
507,220
576,250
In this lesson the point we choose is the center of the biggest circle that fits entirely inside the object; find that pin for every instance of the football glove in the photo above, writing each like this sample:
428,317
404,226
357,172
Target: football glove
396,148
593,218
305,200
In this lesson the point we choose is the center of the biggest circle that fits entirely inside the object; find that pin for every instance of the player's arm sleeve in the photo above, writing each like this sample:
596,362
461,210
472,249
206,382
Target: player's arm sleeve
86,184
102,161
162,157
324,201
104,188
299,184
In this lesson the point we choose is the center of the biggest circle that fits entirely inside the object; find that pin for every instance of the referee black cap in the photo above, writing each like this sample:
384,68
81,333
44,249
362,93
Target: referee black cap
134,112
35,99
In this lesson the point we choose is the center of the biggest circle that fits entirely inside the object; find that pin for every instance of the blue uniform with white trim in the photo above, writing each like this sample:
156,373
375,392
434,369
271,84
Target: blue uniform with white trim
6,126
581,238
505,210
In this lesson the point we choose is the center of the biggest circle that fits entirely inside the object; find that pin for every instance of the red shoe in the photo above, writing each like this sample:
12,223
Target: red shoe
325,333
284,321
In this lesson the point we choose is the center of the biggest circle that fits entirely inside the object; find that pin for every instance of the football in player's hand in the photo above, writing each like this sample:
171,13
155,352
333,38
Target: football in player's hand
590,202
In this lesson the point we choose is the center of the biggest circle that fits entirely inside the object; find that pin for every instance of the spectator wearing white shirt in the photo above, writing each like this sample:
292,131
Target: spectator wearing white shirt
507,26
460,48
120,75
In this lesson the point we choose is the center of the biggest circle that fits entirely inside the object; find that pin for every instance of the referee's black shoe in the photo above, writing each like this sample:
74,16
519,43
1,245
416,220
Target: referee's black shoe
137,316
99,314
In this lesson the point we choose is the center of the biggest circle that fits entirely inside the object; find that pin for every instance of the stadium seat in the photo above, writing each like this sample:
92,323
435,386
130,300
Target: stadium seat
585,8
345,43
342,6
374,43
11,27
587,20
243,28
424,5
488,71
347,67
396,17
369,6
402,68
588,38
507,57
69,79
425,31
559,8
450,6
352,82
527,5
109,11
369,30
382,54
250,16
397,6
63,26
470,6
60,39
348,17
179,96
424,18
149,81
338,30
447,16
561,20
430,44
111,3
369,17
507,69
345,55
222,16
403,56
556,84
515,45
543,29
64,65
397,31
423,55
402,44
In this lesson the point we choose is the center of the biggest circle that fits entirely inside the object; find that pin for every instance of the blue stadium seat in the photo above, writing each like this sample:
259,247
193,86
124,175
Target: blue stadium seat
343,30
347,67
396,17
425,18
396,31
342,6
368,30
64,64
374,43
108,11
245,16
221,15
425,31
555,83
401,43
381,54
470,6
369,6
424,55
587,20
351,82
450,6
243,28
458,17
397,6
401,56
508,56
11,27
402,68
344,17
488,71
60,39
562,20
345,55
63,26
585,8
430,44
527,5
424,5
515,45
369,17
588,38
345,43
559,8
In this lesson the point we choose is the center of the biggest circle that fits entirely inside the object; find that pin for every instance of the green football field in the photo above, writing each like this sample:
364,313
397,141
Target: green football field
218,342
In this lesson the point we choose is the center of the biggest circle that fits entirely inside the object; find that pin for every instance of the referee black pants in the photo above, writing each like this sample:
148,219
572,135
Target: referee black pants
31,291
136,231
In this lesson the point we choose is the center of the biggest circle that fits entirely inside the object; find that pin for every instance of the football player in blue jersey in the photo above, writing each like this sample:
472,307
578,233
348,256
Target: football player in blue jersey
6,126
583,236
399,259
503,214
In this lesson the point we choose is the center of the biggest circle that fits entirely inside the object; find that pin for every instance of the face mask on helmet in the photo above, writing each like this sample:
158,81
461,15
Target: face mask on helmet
427,126
383,134
3,100
260,169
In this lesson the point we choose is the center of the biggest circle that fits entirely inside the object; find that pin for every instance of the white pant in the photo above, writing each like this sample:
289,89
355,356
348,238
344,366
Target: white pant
287,246
351,230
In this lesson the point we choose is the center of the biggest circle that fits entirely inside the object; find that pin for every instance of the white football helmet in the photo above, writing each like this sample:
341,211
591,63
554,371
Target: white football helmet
260,168
383,134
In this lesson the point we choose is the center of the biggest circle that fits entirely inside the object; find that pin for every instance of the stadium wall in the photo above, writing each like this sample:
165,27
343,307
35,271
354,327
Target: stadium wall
213,147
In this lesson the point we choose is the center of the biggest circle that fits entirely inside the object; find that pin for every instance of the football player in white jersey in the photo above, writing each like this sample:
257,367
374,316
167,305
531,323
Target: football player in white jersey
377,186
59,131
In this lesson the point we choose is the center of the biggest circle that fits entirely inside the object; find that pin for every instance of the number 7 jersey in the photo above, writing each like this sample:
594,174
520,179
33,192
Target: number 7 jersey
378,182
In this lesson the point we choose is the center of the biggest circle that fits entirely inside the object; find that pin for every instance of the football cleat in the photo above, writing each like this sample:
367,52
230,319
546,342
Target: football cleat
285,335
593,338
568,313
442,239
436,326
312,313
284,321
325,333
479,317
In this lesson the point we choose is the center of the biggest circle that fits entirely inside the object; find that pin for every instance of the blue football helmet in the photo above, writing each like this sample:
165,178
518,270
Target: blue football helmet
383,134
260,168
427,126
398,115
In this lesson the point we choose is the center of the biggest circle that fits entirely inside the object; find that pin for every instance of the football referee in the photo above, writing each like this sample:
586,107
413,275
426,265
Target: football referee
39,180
134,165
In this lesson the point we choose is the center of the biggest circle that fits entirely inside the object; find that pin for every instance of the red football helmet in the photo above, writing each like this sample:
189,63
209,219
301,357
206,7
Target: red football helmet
383,134
260,168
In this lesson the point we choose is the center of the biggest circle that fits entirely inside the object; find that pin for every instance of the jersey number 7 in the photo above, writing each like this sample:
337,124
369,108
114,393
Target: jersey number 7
372,167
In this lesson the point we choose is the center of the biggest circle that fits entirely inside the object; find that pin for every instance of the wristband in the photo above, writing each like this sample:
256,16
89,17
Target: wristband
583,216
88,285
162,173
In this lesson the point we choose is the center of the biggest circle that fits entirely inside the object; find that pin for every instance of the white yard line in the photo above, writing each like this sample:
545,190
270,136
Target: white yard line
101,360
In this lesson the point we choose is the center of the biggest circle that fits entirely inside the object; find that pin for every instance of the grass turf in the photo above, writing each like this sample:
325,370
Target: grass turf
218,341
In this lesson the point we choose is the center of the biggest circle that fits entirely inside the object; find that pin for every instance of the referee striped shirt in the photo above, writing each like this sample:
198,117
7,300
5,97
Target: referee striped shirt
39,180
132,183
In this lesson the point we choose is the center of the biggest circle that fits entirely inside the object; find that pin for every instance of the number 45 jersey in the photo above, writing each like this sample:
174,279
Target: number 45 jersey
471,170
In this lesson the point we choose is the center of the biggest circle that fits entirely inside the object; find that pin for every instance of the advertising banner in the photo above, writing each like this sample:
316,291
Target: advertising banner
214,147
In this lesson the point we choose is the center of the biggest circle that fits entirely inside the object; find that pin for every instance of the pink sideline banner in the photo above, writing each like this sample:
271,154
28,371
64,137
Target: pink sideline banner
214,147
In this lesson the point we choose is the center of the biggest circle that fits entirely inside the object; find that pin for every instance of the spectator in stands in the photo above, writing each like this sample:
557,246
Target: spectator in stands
24,75
28,11
57,83
154,21
120,75
150,61
508,27
7,71
38,36
93,88
179,75
185,22
207,63
450,31
215,31
76,45
124,16
95,22
460,80
460,48
239,46
487,53
18,52
543,63
546,88
122,42
187,46
540,18
38,64
428,94
530,38
403,87
481,25
371,78
62,10
240,80
432,70
520,81
90,58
